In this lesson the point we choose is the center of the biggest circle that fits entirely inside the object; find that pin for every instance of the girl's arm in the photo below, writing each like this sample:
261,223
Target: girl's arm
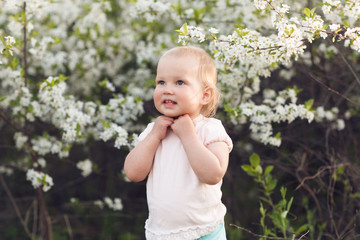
139,161
209,163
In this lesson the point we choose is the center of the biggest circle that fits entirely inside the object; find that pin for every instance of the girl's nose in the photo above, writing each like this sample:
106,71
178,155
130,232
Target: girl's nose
168,90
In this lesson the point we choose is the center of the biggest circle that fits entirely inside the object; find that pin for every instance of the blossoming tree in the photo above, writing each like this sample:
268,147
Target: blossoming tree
77,75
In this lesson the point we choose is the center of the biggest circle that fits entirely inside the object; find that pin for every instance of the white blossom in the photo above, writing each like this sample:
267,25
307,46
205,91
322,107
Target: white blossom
261,4
334,27
114,204
149,9
20,140
9,40
213,30
85,166
39,179
99,203
40,162
41,145
339,124
6,170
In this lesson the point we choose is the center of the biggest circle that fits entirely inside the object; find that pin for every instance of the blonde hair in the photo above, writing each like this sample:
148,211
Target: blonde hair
207,74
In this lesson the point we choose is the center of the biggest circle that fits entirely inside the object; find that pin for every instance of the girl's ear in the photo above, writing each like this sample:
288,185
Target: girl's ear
207,96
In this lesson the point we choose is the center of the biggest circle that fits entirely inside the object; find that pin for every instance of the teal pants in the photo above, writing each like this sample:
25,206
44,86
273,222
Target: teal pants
218,234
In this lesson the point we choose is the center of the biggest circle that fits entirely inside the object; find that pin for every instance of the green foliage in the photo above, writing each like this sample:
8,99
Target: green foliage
309,103
264,178
241,32
55,81
184,30
274,220
309,13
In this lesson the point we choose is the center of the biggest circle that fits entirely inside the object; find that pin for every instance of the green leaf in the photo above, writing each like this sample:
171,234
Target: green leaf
307,12
254,160
263,215
289,31
241,32
265,200
302,228
355,195
14,63
308,104
262,209
106,124
78,128
346,23
198,13
313,12
34,33
289,204
184,30
23,16
57,40
278,135
30,108
268,178
177,7
2,40
95,167
284,214
247,168
272,184
62,78
283,192
103,83
259,169
268,169
340,170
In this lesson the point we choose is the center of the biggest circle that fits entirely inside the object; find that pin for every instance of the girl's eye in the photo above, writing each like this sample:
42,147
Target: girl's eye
180,82
160,82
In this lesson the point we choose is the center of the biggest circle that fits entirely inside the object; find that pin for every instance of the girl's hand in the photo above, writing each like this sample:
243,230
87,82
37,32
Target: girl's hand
139,161
161,125
208,162
183,126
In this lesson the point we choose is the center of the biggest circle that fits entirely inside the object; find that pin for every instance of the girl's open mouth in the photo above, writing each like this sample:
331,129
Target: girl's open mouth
169,102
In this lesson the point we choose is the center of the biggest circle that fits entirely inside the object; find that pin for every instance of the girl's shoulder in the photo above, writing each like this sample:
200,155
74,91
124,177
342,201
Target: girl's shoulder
212,130
146,131
210,123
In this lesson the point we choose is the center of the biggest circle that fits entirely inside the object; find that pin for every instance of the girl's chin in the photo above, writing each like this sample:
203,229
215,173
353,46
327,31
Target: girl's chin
171,115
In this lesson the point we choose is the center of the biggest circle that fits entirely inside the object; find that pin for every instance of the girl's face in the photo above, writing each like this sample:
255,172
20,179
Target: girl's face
178,90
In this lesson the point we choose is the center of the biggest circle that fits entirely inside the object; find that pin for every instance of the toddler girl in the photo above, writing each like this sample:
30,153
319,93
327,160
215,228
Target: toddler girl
185,152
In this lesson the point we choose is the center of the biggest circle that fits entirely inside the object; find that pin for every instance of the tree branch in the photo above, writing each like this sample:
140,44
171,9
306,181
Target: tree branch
332,90
25,48
16,208
68,226
267,237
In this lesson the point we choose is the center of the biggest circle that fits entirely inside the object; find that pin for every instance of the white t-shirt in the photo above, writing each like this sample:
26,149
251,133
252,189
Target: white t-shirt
180,206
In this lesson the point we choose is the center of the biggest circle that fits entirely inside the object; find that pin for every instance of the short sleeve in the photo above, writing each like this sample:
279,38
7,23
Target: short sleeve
147,130
213,131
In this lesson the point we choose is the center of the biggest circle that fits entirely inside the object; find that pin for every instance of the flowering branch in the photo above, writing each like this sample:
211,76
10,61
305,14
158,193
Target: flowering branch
25,46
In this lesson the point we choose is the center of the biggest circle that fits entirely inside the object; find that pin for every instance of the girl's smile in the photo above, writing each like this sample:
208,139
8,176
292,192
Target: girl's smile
169,103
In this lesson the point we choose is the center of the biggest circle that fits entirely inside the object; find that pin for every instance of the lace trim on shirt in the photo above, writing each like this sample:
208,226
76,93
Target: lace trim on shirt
190,233
220,140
